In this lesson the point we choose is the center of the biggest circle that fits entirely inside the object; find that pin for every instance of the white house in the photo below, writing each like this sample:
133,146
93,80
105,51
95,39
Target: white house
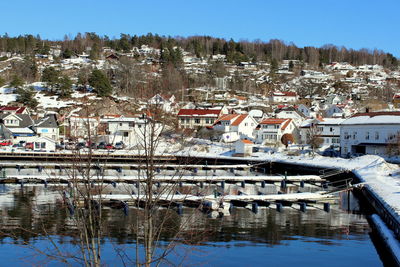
195,118
48,127
132,131
304,110
305,128
290,113
43,144
166,103
82,127
235,126
333,111
329,131
369,133
284,97
271,130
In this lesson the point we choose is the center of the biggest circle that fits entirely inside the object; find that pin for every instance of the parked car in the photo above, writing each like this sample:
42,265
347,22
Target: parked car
109,146
119,145
101,145
5,143
80,145
29,146
70,146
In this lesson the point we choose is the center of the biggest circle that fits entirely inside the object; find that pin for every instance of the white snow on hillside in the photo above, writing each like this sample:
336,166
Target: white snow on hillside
52,101
6,95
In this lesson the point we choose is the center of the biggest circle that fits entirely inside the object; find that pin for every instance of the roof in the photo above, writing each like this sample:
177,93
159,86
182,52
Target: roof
331,121
49,121
25,120
17,110
377,118
200,112
286,93
271,121
235,118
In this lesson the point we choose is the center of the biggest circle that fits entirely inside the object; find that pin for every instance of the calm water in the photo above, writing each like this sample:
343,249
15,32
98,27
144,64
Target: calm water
241,238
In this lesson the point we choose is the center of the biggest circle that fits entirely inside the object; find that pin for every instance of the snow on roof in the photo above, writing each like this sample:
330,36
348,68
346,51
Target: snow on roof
374,118
286,93
331,121
20,130
256,113
200,112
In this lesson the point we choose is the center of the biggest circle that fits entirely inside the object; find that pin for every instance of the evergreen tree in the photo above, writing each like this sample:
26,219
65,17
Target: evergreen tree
94,52
65,86
26,97
16,82
99,81
51,77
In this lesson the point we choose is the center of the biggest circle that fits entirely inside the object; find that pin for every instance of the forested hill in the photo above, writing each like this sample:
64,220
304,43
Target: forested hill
202,47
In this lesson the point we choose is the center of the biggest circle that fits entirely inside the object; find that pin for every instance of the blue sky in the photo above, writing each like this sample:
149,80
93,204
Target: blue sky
352,23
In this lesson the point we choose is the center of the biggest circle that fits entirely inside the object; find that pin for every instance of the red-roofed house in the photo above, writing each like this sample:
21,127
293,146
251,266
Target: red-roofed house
235,126
271,130
13,110
195,118
284,97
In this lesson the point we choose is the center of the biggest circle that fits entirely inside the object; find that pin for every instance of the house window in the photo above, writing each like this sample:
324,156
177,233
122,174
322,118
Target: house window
376,135
197,121
354,135
120,124
126,134
131,124
346,135
276,126
182,120
207,121
367,136
331,129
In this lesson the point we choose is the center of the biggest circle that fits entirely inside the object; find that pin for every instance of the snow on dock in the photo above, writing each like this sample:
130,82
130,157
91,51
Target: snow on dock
163,178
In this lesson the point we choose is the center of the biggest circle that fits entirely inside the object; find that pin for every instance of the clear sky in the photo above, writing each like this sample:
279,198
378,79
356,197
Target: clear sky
352,23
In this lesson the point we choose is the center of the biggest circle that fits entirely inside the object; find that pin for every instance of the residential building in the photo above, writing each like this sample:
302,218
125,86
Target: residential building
48,127
16,126
284,97
235,126
329,131
81,127
271,130
132,131
290,113
196,118
369,133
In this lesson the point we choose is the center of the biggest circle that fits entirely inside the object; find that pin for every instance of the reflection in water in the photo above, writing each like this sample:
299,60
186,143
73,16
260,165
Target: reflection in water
31,211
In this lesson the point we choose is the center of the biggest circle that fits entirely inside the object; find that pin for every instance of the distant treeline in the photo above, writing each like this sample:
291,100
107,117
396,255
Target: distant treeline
203,46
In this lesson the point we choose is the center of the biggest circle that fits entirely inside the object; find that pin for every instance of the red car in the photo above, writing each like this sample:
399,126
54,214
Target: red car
29,146
5,143
109,146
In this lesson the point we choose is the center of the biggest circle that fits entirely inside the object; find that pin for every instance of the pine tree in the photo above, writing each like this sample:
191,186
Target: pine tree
65,86
26,97
51,77
16,82
99,81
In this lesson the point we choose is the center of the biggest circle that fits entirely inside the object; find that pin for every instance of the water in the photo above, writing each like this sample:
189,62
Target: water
268,238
